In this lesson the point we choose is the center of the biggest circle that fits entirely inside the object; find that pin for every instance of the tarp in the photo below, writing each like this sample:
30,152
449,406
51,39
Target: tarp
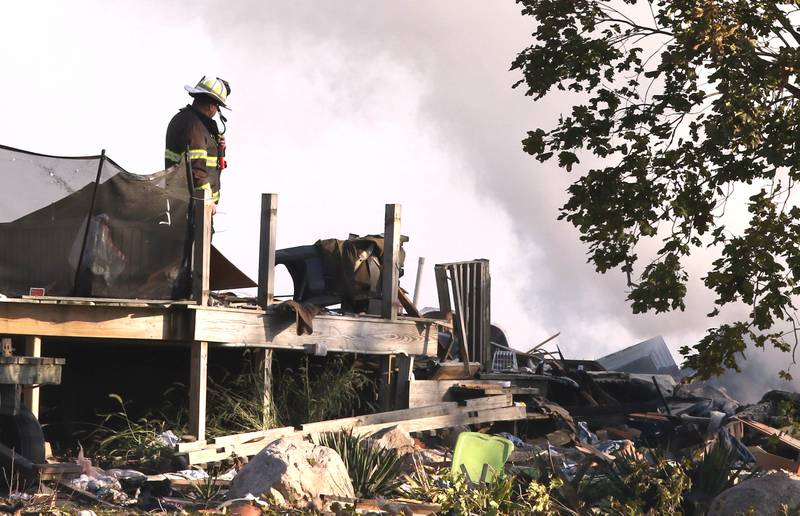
83,226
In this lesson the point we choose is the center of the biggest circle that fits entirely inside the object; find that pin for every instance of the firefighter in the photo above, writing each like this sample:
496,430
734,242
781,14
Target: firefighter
193,129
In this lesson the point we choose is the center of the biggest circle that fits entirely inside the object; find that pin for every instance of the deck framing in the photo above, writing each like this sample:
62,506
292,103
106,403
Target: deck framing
198,326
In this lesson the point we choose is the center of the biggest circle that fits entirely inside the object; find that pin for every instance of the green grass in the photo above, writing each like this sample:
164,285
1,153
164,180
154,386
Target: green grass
119,440
314,391
318,392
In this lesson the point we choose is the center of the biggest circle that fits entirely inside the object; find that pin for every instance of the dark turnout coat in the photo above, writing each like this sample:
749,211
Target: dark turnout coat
193,131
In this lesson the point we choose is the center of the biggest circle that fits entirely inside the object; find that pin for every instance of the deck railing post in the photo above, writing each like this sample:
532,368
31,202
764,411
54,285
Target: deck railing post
201,262
266,290
266,249
201,272
391,262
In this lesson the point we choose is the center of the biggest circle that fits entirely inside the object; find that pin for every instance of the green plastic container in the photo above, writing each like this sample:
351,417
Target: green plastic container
474,449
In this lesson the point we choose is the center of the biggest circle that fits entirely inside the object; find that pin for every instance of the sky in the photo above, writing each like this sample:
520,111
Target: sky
341,107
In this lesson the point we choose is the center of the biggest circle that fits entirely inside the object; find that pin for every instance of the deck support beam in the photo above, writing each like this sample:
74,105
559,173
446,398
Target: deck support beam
30,393
198,381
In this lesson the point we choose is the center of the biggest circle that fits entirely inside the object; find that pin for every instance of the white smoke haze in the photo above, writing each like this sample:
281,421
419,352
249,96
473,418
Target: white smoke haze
341,107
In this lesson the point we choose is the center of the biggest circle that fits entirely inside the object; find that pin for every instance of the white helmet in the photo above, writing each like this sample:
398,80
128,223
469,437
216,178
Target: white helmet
218,89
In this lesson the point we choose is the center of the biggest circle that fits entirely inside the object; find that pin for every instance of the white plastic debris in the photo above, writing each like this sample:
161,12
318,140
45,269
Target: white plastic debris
169,438
193,474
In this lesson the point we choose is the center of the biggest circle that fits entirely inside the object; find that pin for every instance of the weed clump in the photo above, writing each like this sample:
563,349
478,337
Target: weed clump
373,470
121,441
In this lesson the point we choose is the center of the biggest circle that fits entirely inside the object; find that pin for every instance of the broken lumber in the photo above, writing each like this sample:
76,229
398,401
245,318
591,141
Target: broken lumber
769,461
444,415
454,370
423,393
513,413
223,451
783,437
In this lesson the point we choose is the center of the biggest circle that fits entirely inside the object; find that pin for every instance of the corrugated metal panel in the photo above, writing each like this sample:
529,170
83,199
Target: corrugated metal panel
654,349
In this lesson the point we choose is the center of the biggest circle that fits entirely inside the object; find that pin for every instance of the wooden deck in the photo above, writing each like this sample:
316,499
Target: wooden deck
200,326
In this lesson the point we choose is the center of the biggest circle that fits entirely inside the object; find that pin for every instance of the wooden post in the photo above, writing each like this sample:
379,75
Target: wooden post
391,257
197,389
386,383
33,348
405,366
264,366
266,289
201,262
266,250
201,269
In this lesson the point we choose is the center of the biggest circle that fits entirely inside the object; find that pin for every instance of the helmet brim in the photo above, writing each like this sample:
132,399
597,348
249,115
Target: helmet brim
192,90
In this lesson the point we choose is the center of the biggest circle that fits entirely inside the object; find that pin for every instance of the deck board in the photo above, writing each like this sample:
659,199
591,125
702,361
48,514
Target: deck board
331,332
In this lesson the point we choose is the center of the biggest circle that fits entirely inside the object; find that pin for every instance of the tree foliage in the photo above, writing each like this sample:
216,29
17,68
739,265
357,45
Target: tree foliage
683,103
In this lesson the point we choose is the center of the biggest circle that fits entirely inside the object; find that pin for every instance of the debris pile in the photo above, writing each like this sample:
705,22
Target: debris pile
551,436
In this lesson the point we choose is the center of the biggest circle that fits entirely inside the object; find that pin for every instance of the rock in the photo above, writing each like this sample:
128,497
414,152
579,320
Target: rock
296,470
762,495
393,438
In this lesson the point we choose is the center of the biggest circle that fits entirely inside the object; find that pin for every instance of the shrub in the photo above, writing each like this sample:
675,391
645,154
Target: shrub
373,470
504,495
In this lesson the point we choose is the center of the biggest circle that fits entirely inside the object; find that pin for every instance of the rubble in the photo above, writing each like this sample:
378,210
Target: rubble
768,408
569,420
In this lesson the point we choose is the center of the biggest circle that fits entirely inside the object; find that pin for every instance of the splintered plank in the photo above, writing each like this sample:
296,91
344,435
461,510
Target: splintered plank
242,449
399,416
